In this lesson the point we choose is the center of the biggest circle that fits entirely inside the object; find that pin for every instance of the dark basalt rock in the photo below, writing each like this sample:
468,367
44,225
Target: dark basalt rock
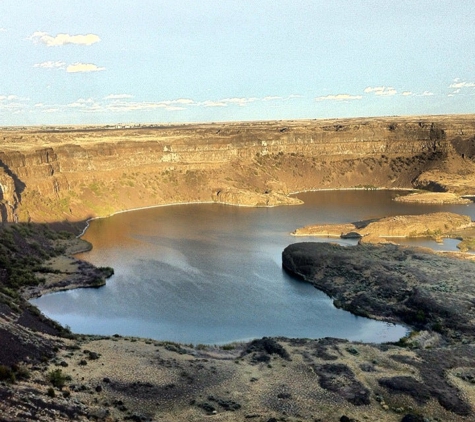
422,289
407,385
339,379
265,346
399,284
413,418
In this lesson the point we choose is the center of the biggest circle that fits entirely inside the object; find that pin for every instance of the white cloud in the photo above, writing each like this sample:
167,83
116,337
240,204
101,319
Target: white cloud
458,85
239,100
50,65
373,89
131,105
3,30
13,103
82,103
339,97
118,96
385,91
13,98
280,98
119,103
63,39
209,103
83,67
413,94
8,97
184,101
73,68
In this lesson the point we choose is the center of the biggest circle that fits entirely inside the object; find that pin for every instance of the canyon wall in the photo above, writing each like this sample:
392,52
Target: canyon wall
71,174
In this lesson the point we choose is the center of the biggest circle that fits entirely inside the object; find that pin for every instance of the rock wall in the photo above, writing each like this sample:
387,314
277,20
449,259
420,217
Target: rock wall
70,174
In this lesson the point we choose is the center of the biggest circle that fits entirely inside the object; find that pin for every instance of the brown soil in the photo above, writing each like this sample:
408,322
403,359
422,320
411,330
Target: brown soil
64,175
433,198
67,174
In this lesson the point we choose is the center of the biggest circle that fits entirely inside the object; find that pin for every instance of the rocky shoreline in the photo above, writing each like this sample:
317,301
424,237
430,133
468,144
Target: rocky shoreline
387,229
431,293
434,198
48,373
426,375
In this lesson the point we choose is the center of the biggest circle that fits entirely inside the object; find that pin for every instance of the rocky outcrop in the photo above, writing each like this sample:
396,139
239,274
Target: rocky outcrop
427,225
10,191
70,174
418,288
433,198
242,197
421,289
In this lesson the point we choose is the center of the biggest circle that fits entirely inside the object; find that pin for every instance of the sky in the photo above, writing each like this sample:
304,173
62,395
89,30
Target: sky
167,61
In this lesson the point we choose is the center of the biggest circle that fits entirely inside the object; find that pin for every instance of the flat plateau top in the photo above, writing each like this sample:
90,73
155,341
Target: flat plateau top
32,137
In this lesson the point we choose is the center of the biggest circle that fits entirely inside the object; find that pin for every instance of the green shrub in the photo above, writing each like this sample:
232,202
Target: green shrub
230,346
57,378
6,374
21,372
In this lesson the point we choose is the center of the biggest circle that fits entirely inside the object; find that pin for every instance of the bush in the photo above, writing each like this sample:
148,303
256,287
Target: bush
21,372
57,378
6,374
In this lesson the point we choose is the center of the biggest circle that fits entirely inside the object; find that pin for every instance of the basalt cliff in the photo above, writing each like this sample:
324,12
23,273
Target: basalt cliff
71,174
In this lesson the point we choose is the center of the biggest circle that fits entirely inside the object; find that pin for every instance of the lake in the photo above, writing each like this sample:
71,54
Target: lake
212,274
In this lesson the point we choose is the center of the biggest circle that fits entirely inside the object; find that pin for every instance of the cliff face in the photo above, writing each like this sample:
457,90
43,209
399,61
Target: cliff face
72,174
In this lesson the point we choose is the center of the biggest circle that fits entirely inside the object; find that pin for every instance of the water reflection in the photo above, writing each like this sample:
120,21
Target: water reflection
212,273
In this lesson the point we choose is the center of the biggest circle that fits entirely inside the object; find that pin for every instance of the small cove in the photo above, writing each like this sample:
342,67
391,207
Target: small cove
210,273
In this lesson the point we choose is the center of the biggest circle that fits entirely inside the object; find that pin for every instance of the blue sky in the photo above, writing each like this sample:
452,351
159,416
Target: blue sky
144,61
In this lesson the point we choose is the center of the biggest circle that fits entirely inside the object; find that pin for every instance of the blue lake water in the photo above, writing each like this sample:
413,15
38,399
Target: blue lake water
211,273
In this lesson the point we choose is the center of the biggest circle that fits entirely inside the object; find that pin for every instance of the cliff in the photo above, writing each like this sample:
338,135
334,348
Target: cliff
436,225
70,174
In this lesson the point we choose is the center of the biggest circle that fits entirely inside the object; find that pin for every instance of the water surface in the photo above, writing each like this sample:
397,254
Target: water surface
211,273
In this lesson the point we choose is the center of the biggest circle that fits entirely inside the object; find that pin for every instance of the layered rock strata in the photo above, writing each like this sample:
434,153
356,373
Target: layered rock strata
426,225
70,174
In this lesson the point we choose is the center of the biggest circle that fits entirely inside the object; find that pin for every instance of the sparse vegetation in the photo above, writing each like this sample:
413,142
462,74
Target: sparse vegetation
7,374
23,249
57,378
467,244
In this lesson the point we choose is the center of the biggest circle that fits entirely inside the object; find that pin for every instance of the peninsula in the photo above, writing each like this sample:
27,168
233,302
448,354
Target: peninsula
52,179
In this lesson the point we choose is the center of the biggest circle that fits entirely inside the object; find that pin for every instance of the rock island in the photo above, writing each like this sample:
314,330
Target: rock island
52,179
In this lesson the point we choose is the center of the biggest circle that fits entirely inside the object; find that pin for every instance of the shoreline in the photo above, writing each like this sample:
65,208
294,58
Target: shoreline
73,286
86,222
429,375
271,378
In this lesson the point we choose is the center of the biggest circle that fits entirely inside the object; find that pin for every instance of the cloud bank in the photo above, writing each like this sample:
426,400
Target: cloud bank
83,68
63,39
461,84
385,91
339,97
50,65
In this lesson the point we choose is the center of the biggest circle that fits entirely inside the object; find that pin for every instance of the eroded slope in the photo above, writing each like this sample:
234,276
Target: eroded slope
75,173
